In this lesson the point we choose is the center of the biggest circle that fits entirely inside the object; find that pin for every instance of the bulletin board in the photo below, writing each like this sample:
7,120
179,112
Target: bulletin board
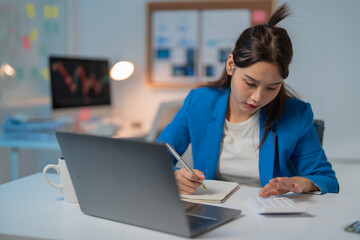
30,31
188,42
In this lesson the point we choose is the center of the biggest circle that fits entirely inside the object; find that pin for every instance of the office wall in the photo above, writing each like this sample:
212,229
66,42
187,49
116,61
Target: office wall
324,71
117,30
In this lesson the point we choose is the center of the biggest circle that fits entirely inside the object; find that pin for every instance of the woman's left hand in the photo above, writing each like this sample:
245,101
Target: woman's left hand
282,185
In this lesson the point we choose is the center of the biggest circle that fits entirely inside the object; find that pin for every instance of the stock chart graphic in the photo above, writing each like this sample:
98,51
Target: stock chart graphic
79,82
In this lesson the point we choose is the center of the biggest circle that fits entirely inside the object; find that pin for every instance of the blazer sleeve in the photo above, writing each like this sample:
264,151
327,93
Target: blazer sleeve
177,132
309,157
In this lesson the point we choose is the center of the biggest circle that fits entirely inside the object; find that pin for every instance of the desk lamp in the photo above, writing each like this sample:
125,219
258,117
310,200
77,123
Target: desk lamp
121,70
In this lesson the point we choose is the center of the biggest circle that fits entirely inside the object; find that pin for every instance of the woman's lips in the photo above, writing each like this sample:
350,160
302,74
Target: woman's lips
251,106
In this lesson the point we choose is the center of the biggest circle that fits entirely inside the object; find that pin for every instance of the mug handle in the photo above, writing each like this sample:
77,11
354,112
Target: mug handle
57,169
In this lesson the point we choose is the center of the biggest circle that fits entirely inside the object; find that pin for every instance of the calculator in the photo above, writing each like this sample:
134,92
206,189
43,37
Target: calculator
273,205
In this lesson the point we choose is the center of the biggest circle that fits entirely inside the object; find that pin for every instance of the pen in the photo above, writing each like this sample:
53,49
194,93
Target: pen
179,158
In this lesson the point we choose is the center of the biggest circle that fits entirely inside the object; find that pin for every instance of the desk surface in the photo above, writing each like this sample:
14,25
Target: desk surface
31,207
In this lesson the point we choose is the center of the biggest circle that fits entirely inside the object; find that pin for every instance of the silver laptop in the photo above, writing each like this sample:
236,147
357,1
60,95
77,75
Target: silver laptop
133,182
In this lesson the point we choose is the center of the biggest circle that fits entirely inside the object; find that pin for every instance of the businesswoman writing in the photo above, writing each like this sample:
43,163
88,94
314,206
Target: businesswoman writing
247,127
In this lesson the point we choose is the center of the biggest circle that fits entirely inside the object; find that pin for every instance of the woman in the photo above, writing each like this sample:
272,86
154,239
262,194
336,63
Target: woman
247,127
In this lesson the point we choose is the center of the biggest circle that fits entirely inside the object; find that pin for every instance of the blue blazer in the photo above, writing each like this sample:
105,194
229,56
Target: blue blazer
291,149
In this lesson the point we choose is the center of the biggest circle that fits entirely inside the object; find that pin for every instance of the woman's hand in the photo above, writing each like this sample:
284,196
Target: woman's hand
188,182
282,185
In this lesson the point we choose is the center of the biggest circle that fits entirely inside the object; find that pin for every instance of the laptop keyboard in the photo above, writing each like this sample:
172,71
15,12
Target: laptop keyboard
199,221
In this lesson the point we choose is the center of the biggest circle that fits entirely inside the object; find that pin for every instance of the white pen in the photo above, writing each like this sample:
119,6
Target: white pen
179,158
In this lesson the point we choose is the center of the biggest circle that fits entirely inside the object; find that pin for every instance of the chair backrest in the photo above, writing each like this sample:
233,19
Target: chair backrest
165,114
320,127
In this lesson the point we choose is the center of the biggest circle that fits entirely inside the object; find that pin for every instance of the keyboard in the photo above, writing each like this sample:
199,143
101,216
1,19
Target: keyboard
273,205
199,220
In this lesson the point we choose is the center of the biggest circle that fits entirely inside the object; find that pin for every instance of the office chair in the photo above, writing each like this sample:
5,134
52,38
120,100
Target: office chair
166,112
320,127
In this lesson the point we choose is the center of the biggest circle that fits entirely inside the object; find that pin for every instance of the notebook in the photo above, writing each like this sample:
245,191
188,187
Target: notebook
133,182
218,192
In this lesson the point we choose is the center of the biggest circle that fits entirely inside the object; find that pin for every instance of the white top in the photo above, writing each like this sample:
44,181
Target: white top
239,153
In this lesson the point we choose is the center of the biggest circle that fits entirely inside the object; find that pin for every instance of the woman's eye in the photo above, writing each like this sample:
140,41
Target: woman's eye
271,89
250,84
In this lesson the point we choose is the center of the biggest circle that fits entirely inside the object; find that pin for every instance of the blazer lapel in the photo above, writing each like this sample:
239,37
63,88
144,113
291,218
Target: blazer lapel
214,134
266,154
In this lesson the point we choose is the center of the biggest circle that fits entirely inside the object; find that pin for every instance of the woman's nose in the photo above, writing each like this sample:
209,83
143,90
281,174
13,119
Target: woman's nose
256,95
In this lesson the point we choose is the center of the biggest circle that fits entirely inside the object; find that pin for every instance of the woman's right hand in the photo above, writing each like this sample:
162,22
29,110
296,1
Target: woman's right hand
188,182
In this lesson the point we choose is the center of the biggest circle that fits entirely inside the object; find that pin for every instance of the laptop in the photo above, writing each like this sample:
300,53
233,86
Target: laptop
133,182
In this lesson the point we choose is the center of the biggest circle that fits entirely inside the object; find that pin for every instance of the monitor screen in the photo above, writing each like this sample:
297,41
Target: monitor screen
77,82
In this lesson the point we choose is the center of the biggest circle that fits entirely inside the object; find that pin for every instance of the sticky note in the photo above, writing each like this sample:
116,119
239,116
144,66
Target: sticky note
51,11
258,16
55,11
47,11
26,43
30,10
45,73
51,27
34,34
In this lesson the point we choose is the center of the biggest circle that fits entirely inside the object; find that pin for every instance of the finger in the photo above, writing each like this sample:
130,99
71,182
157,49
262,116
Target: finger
268,193
200,174
266,187
187,182
290,185
183,189
191,177
278,179
271,189
272,192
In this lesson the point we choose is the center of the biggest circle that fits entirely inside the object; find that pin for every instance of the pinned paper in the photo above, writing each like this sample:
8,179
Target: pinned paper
30,10
258,16
34,34
55,11
51,11
47,11
51,27
26,43
45,73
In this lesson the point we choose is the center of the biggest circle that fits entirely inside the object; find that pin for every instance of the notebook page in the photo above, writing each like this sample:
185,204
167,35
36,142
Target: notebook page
218,192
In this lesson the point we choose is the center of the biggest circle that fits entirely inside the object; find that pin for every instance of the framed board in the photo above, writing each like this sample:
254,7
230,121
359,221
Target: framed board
188,42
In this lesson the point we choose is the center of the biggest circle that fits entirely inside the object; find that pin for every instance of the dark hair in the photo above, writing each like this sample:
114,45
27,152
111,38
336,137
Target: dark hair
268,43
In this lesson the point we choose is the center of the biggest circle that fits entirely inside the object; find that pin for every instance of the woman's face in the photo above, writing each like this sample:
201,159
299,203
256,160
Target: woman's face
252,88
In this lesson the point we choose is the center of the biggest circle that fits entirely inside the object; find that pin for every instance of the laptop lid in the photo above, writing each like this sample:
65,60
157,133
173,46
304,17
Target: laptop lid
131,182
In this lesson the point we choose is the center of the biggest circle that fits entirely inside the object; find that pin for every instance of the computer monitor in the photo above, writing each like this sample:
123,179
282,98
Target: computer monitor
79,83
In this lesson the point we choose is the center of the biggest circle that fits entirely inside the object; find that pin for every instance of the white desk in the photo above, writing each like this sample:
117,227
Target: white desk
31,207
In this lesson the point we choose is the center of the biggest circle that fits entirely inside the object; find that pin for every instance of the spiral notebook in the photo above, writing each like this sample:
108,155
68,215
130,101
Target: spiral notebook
218,192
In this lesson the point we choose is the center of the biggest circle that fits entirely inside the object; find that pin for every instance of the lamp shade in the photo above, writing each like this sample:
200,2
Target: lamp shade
121,70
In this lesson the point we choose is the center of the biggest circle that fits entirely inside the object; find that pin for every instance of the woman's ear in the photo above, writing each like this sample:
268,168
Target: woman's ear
230,65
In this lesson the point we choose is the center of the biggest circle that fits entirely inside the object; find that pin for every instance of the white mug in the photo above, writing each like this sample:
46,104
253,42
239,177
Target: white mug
66,185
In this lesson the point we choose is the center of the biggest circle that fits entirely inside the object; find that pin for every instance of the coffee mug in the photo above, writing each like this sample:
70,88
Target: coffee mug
66,185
